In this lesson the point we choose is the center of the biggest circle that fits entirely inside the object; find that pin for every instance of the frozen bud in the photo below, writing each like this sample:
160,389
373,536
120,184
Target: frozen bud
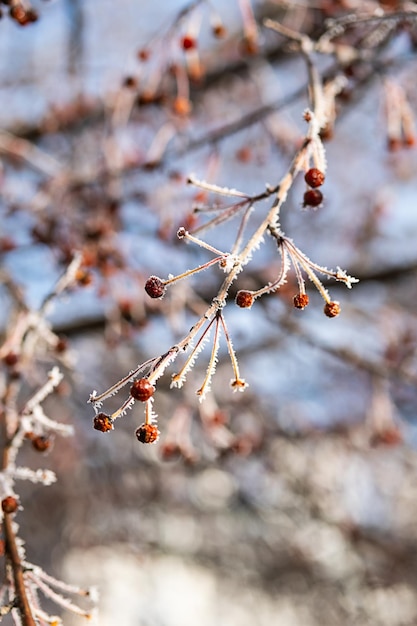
142,390
313,197
301,300
155,287
41,443
181,232
147,433
103,422
332,309
244,299
314,177
10,504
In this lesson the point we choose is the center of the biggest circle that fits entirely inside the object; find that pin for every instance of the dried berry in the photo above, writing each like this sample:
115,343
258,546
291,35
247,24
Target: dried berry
244,299
147,433
142,390
314,177
41,443
103,422
188,42
9,504
155,287
313,197
332,309
301,300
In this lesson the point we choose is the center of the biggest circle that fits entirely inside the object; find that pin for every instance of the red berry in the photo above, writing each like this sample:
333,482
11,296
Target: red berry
155,287
332,309
9,504
313,197
147,433
188,42
142,390
103,422
314,177
244,299
301,300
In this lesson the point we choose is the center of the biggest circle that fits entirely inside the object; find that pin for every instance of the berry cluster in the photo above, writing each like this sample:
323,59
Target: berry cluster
313,197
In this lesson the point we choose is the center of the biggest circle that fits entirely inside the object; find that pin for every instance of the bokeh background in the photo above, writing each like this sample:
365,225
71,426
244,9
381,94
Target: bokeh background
294,503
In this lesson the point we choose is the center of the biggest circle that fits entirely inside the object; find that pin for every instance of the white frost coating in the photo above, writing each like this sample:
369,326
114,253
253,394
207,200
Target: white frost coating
44,476
54,378
225,191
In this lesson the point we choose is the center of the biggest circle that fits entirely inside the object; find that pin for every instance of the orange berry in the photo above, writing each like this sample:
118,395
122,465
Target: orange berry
41,443
142,390
155,287
313,198
301,300
147,433
103,422
9,504
332,309
244,299
314,177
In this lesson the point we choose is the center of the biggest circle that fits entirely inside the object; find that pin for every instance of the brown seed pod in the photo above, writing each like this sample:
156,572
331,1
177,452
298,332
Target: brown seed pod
314,177
103,422
142,390
300,300
155,287
244,299
313,197
10,504
147,433
332,309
